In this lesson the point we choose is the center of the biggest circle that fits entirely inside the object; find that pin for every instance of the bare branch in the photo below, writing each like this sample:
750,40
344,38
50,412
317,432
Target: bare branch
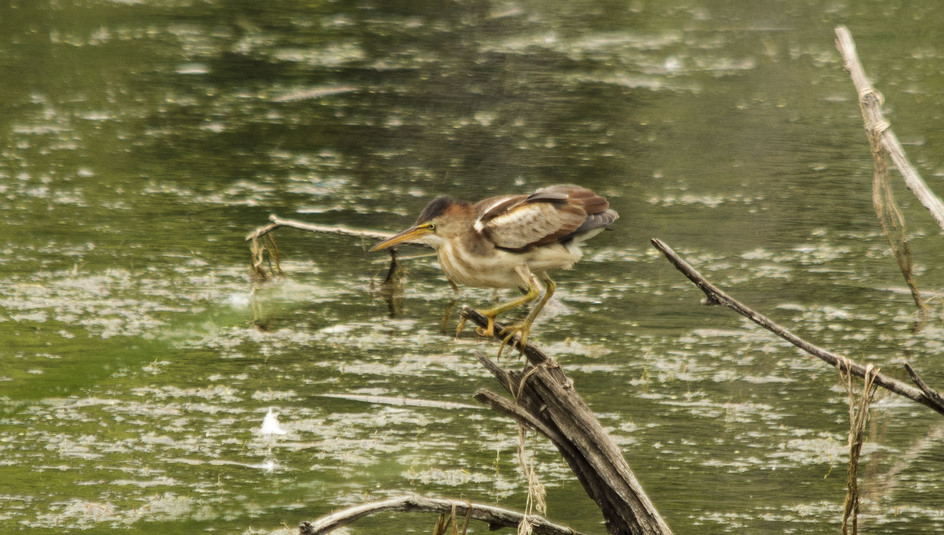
494,516
515,412
886,209
871,102
934,395
277,222
259,251
715,295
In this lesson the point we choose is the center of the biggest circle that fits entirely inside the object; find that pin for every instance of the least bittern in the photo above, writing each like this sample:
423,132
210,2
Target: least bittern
501,242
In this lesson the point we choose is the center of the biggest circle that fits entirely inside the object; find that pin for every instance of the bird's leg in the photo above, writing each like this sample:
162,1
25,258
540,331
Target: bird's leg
491,313
532,293
450,307
523,329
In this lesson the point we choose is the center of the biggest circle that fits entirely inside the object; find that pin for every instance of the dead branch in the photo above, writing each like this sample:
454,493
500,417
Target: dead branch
928,391
495,517
715,296
262,245
544,398
882,140
277,222
875,124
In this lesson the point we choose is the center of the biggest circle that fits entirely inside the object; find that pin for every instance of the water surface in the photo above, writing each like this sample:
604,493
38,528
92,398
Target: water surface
143,140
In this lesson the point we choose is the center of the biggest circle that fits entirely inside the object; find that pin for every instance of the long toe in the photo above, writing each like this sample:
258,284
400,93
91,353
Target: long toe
522,330
490,329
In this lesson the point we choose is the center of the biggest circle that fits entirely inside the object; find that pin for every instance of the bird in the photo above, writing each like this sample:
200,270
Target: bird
507,241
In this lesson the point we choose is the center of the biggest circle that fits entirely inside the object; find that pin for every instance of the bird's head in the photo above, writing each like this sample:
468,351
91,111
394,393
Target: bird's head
443,218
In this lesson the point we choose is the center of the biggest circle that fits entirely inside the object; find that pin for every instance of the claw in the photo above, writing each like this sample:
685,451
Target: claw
487,332
521,330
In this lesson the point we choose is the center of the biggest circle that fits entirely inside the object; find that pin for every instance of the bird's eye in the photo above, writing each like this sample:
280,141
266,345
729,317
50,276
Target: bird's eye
431,226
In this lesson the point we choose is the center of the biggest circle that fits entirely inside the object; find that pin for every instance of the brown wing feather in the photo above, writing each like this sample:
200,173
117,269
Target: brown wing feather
496,206
549,215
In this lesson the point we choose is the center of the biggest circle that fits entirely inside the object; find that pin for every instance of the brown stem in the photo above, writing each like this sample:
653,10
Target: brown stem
716,296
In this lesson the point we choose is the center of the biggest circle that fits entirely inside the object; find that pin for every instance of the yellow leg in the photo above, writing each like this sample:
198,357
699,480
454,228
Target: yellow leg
491,313
524,328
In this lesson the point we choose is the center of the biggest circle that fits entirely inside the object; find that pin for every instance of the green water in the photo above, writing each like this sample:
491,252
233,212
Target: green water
142,140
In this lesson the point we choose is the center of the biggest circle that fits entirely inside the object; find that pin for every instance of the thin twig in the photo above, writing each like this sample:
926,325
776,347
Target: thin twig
277,222
494,516
716,296
928,391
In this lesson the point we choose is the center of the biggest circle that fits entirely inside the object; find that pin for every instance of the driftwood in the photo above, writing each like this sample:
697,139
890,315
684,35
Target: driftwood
924,394
544,399
494,516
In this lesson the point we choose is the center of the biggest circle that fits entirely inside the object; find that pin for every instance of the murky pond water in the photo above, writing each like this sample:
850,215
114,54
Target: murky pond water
142,140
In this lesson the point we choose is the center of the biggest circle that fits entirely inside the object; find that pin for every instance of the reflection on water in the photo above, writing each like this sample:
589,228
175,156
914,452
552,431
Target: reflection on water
143,140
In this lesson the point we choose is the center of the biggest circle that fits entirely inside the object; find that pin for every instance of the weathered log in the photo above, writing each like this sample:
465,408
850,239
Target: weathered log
545,399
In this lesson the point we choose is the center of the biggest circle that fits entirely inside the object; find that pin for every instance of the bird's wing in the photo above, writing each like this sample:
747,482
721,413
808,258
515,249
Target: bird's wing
549,215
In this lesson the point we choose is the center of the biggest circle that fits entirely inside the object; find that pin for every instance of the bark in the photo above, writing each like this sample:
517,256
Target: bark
545,399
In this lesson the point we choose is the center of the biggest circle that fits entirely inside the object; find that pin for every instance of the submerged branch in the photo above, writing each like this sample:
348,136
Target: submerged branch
495,517
715,296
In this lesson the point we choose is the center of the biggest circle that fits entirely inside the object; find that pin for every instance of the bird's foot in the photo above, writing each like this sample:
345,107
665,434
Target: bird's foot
486,332
489,330
523,330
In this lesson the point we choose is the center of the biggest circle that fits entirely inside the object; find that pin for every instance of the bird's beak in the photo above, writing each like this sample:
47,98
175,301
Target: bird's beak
410,234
